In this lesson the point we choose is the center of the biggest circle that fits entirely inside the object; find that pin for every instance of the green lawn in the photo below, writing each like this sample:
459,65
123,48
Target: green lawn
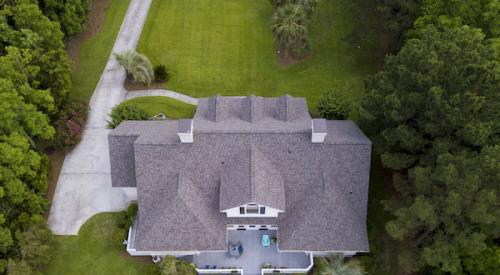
172,108
96,50
226,47
97,250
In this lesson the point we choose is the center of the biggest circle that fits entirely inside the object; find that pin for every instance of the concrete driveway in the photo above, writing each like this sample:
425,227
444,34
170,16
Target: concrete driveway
84,185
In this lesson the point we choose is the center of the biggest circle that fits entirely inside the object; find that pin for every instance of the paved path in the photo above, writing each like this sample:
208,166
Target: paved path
162,92
84,185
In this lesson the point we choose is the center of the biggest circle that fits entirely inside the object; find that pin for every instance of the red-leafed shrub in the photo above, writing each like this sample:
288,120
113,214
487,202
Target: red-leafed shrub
69,125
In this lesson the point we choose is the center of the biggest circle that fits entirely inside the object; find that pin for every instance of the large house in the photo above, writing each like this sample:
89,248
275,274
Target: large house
242,168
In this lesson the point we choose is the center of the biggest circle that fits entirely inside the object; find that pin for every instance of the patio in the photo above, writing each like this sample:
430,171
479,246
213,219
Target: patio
254,255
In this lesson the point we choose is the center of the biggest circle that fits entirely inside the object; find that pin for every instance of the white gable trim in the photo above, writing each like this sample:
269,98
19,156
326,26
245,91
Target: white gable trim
235,211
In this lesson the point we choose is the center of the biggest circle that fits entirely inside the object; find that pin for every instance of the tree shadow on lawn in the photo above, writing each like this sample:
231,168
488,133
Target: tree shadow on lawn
97,249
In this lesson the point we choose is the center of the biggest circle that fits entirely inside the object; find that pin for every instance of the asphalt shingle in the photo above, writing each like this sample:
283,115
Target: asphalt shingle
323,187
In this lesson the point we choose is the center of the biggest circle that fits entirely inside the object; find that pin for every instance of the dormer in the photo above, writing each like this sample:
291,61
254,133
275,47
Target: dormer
251,186
253,210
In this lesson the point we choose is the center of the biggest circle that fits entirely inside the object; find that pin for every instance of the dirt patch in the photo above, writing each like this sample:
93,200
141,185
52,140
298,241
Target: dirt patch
93,26
289,60
129,86
56,162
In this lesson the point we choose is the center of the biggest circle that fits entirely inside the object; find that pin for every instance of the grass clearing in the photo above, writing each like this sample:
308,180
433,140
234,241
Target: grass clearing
96,250
95,52
226,47
173,109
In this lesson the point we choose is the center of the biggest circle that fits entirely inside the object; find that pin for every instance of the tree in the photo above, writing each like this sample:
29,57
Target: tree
19,268
40,41
481,14
71,14
137,66
126,111
289,26
454,212
438,94
23,171
170,265
485,263
34,244
433,115
308,5
399,16
333,104
335,265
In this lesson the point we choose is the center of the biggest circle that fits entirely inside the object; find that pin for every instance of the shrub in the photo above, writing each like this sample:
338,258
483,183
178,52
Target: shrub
301,49
137,66
161,73
69,125
170,265
127,219
126,111
334,105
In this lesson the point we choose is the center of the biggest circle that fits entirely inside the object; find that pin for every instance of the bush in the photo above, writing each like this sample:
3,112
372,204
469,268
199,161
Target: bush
137,66
170,265
69,125
126,221
301,49
334,105
161,73
126,111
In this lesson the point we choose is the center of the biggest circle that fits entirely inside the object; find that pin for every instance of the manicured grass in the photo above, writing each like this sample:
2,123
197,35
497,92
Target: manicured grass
226,47
96,250
172,108
96,50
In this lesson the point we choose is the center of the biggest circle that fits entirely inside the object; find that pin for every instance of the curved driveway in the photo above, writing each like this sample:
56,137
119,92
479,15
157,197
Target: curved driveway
84,185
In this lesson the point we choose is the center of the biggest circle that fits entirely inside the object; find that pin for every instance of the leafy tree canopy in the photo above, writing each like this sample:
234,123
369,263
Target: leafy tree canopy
455,212
23,25
481,14
71,14
438,94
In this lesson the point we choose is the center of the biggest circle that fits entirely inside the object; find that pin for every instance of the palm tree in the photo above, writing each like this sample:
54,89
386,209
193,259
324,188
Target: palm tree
289,26
309,5
335,265
137,66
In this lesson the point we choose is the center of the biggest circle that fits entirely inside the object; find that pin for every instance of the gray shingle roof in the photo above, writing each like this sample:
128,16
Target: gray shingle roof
251,178
324,185
251,114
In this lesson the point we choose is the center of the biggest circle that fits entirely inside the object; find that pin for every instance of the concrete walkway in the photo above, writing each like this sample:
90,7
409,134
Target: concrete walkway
84,185
162,92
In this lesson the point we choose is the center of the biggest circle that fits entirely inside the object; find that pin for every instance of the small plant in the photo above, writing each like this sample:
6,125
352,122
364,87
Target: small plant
334,105
69,125
161,73
128,216
137,66
126,111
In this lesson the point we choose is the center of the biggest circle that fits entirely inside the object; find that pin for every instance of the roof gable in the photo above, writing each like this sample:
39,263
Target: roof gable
251,178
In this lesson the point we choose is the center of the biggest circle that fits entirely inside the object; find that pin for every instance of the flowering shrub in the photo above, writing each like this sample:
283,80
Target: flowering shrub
69,125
